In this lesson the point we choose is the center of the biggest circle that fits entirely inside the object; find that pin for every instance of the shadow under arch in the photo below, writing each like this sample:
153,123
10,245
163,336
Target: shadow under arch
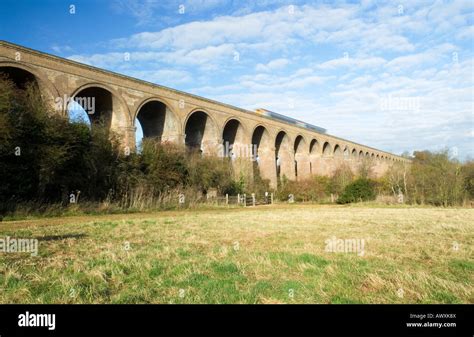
200,132
21,74
157,120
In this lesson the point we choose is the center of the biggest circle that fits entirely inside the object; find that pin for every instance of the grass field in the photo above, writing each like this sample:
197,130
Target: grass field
267,254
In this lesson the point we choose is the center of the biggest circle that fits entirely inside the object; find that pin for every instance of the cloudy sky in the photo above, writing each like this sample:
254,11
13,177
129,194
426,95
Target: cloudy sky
393,75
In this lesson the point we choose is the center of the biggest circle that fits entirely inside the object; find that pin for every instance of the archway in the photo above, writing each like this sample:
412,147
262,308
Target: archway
284,159
233,141
346,153
314,157
302,162
20,77
201,133
96,102
354,154
156,121
327,150
263,155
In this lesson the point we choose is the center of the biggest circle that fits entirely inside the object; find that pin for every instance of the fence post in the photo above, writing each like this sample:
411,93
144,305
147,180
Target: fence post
245,199
271,198
226,199
253,199
238,198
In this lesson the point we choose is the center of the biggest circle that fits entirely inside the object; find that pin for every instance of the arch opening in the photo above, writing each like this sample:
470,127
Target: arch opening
155,120
302,164
282,155
337,151
20,77
314,149
260,142
94,102
354,154
346,153
327,150
233,140
200,133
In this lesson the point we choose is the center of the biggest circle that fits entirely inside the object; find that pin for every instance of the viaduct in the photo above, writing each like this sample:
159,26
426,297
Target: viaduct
255,140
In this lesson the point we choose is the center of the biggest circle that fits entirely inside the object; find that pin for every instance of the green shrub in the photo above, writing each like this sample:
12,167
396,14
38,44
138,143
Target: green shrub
360,190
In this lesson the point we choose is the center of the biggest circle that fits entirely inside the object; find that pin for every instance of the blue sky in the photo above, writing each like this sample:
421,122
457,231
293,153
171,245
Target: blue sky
393,75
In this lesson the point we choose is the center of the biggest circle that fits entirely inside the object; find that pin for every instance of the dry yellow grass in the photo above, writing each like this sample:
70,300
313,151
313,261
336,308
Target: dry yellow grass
274,254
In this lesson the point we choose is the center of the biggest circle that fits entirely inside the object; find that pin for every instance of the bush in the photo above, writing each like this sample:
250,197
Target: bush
44,158
468,173
360,190
341,177
315,189
437,179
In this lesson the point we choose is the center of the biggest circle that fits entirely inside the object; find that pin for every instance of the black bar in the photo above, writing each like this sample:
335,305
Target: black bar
239,320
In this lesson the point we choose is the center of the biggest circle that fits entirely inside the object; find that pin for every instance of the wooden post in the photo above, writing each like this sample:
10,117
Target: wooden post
271,198
238,198
226,199
245,200
253,199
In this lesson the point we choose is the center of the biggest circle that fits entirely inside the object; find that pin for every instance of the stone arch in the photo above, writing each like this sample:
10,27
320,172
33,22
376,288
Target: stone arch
346,154
361,154
102,102
157,120
200,132
302,162
261,141
314,154
20,74
354,154
284,158
337,151
327,150
105,106
314,146
233,139
263,154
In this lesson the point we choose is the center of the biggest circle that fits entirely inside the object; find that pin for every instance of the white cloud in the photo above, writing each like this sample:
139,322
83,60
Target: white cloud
272,65
342,26
370,62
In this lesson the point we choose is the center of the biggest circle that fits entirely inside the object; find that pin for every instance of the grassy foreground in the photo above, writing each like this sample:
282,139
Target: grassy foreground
267,254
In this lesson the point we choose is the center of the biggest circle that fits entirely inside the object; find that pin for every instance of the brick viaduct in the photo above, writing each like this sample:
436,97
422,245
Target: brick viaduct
275,147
